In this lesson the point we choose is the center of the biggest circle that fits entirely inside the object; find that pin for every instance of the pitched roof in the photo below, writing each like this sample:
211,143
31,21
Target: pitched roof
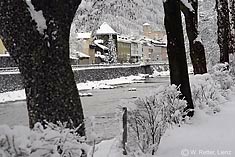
105,29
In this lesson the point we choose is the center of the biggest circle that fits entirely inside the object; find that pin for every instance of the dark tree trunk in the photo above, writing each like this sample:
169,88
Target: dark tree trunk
223,29
232,19
43,58
197,51
176,50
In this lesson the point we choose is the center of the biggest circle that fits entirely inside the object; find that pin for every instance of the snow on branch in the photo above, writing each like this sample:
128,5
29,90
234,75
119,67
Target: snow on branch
187,4
37,16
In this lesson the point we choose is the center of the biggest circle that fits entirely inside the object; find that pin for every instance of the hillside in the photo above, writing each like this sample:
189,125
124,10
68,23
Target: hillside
126,17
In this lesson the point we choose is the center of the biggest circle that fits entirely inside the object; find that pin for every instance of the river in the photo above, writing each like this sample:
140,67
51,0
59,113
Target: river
102,105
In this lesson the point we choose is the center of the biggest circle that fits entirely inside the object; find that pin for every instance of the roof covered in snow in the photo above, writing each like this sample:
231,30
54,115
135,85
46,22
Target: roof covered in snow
100,56
99,44
124,39
146,24
81,55
105,29
83,35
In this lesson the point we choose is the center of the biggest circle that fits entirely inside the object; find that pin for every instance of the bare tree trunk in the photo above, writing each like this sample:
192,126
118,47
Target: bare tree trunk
176,50
42,53
232,22
223,29
197,51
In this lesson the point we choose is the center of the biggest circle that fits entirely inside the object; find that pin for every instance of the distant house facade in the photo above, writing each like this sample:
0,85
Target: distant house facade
85,54
150,33
123,49
154,51
164,53
154,45
79,58
136,51
147,51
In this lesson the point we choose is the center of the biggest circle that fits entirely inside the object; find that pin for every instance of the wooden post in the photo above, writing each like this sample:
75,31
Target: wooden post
124,133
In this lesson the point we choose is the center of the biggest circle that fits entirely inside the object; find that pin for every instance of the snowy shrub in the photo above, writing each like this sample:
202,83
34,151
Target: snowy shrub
152,116
221,74
205,93
54,141
211,89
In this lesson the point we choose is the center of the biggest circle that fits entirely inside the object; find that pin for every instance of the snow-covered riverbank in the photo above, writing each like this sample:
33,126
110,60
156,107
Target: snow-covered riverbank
104,84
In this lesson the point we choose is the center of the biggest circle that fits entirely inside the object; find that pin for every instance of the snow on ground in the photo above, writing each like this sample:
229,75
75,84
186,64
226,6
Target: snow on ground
108,148
12,96
206,135
110,84
162,73
167,72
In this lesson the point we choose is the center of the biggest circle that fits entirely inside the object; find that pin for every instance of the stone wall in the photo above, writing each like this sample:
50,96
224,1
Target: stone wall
109,73
7,61
11,82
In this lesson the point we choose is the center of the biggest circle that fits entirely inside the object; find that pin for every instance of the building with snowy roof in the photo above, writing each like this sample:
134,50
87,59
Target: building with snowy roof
109,37
105,29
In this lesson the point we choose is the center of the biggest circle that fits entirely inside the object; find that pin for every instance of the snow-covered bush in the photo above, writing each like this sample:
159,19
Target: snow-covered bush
152,116
211,89
54,141
205,93
222,77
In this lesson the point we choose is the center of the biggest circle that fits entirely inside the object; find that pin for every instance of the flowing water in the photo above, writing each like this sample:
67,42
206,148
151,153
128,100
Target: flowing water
102,106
